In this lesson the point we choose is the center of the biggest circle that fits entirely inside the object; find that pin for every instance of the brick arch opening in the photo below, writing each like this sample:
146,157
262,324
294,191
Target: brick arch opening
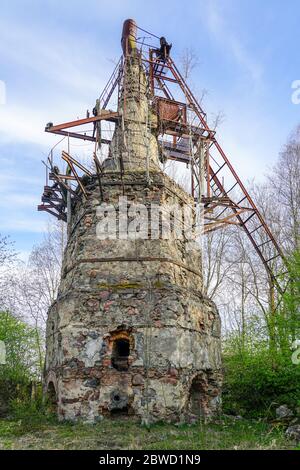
204,394
52,397
121,344
198,396
120,354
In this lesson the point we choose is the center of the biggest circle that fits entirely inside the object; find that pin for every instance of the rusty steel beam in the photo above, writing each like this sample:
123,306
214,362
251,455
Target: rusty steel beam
225,219
66,158
52,177
103,116
162,77
48,209
75,162
75,135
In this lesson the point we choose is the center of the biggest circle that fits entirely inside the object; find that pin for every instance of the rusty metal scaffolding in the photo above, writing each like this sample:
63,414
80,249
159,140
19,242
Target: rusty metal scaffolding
184,136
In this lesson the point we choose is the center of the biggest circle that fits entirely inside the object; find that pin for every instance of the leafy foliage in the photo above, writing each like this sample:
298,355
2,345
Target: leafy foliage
260,375
257,382
22,360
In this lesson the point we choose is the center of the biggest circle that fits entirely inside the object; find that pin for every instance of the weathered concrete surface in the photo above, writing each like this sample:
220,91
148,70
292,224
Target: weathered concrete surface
144,293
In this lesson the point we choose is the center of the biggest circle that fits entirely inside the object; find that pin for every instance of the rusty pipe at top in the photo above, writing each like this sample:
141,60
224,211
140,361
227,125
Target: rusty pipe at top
128,40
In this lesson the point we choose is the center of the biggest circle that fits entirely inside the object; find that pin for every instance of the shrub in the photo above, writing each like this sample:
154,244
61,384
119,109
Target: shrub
257,382
31,411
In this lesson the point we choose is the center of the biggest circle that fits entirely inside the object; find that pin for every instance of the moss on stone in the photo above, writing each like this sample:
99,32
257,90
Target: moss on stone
158,284
120,286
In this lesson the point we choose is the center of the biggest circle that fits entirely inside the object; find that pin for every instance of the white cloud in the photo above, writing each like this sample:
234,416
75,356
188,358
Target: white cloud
22,124
22,223
223,33
67,74
10,179
18,199
52,55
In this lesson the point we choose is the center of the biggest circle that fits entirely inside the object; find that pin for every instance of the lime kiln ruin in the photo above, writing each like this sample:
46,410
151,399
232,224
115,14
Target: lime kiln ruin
131,331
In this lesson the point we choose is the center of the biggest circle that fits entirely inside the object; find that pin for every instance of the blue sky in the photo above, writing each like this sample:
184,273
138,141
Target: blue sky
56,57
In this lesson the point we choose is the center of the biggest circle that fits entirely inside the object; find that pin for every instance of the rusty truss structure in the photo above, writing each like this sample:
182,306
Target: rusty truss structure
184,136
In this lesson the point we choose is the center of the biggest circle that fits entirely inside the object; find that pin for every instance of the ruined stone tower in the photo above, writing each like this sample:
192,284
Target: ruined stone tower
131,331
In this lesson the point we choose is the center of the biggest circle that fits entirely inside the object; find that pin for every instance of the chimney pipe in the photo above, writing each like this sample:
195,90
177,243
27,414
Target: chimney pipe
128,40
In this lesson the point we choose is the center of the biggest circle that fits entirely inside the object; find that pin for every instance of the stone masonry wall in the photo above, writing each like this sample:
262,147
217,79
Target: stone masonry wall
131,331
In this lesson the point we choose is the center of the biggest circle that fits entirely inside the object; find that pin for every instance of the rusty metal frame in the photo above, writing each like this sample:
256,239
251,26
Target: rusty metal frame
161,74
104,115
214,184
54,199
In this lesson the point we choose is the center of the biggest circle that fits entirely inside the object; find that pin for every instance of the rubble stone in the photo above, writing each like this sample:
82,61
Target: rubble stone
283,412
293,433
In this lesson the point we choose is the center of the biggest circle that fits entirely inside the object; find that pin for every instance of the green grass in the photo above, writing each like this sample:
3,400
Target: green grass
227,433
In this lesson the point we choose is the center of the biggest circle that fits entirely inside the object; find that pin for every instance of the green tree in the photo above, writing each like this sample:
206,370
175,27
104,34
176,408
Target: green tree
21,350
22,359
291,303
